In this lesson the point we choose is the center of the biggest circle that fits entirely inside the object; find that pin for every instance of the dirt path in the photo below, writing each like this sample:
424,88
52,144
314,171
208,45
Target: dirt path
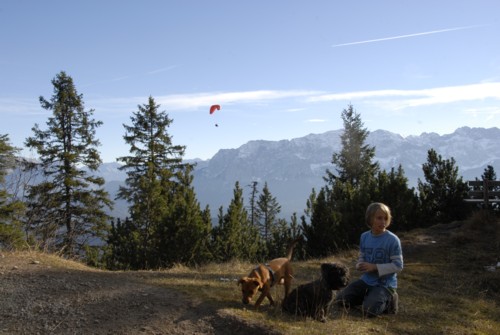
38,298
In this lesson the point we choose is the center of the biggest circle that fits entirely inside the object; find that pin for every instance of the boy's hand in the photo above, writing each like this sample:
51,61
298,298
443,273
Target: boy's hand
366,267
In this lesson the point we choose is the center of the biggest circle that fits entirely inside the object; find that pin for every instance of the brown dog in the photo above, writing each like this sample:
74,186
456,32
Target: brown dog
264,276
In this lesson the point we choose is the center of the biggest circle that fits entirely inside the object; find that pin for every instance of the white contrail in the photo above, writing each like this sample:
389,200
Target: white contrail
406,36
168,68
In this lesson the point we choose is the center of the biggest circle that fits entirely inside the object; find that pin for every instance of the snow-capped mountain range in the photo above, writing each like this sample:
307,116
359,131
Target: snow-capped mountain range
292,168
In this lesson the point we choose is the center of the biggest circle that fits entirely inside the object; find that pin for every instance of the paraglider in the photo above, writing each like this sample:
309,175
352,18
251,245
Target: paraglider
214,108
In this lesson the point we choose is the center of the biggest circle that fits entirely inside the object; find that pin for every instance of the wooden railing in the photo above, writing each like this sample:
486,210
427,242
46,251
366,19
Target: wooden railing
484,191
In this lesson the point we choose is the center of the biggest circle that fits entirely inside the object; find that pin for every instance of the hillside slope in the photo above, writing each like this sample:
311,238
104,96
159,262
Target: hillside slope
447,287
44,294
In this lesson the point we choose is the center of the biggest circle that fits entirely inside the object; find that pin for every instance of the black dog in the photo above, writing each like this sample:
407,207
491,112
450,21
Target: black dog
315,298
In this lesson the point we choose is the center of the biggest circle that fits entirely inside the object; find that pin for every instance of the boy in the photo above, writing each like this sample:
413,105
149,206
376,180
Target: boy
380,259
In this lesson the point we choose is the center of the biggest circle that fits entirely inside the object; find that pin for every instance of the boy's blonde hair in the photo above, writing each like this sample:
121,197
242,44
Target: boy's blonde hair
373,208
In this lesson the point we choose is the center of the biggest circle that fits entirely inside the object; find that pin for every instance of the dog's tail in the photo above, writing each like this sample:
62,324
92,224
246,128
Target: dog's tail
289,251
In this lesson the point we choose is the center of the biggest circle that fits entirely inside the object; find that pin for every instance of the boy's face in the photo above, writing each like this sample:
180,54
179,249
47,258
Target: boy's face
379,222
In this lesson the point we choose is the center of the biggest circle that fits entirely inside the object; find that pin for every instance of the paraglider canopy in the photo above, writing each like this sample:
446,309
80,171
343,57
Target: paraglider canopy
214,108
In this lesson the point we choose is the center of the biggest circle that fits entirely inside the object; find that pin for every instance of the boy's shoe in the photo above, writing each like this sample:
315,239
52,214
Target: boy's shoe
393,306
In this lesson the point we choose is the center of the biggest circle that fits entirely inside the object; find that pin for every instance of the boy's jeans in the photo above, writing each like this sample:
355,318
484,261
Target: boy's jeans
375,300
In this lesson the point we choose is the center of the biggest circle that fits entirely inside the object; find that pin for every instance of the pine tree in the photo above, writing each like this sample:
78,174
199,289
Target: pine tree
254,218
354,187
218,241
489,173
235,237
338,215
69,205
354,163
273,231
154,172
296,232
311,200
233,223
184,234
281,237
11,235
268,209
443,191
322,232
393,190
123,244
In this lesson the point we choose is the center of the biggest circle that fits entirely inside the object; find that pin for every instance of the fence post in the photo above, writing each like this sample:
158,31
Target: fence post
485,192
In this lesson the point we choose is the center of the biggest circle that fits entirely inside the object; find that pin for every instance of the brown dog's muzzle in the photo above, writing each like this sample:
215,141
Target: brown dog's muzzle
246,299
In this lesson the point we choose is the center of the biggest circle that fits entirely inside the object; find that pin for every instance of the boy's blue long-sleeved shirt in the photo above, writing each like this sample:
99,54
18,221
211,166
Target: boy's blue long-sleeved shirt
385,251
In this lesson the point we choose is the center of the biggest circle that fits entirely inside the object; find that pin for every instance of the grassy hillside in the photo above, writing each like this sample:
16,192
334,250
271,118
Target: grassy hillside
445,288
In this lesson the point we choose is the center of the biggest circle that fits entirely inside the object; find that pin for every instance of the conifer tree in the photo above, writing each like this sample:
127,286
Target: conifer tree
184,234
338,214
442,193
393,190
235,237
123,244
281,237
11,235
155,172
354,163
311,200
274,233
254,218
70,201
268,209
489,173
218,241
296,232
322,232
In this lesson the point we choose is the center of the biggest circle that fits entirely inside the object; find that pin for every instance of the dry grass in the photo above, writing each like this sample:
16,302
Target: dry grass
444,288
25,258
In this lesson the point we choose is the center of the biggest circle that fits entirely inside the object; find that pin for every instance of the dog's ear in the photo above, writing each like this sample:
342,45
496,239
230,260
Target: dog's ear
258,283
241,281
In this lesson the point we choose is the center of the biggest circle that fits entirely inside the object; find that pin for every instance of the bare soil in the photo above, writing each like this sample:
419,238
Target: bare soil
43,294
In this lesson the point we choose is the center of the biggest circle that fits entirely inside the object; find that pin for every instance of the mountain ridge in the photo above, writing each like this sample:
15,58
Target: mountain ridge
292,168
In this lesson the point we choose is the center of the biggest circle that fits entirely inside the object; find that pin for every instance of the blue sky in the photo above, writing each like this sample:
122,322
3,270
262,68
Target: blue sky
279,69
